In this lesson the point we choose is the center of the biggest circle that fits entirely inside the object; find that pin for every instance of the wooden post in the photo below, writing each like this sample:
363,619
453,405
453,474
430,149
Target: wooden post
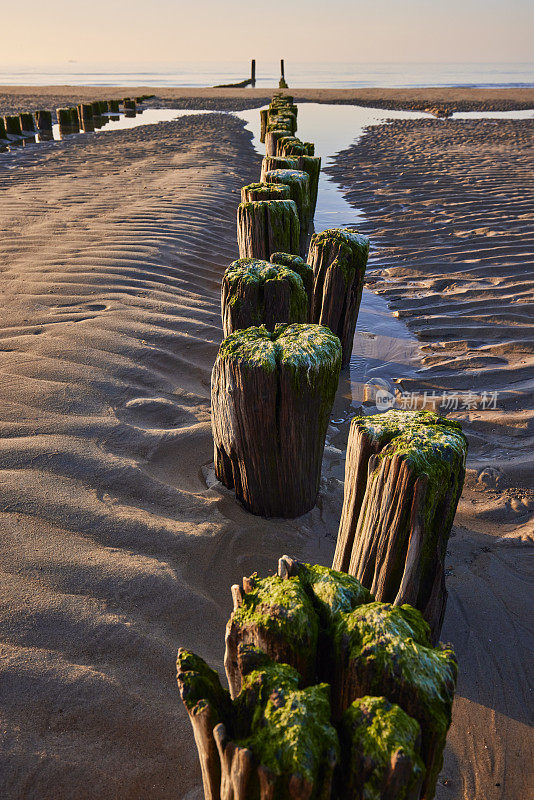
263,121
267,226
86,117
44,121
113,106
382,721
129,104
271,452
298,265
256,292
26,122
253,72
264,191
12,125
291,146
64,118
282,83
371,658
272,137
277,162
338,258
403,478
299,187
3,132
74,121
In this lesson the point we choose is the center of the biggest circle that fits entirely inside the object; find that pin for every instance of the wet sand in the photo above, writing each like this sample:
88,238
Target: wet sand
114,551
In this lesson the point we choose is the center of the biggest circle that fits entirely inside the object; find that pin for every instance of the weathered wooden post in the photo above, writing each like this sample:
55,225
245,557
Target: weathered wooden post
277,162
299,187
272,137
291,146
44,121
253,72
264,191
263,121
267,226
12,125
404,476
74,121
382,722
271,451
113,106
64,118
26,122
130,108
298,265
3,132
86,117
338,258
282,83
256,292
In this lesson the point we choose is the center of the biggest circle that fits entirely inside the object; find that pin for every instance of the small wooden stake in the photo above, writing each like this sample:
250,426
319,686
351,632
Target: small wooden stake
338,258
267,226
256,292
271,452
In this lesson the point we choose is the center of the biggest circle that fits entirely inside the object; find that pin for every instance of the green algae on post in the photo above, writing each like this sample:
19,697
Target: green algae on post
397,550
380,748
264,191
299,188
12,125
298,265
257,292
271,452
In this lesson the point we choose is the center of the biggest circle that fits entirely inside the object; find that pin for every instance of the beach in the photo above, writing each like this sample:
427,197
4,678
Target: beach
117,544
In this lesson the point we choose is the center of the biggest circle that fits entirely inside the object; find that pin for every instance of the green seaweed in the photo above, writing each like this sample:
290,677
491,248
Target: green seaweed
374,733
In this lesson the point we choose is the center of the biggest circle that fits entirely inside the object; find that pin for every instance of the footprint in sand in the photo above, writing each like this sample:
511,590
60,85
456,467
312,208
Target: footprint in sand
151,413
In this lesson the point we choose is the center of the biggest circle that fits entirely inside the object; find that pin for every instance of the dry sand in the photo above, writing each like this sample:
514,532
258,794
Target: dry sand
113,551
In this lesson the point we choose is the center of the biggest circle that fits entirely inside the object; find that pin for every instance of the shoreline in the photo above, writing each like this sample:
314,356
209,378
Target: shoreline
14,99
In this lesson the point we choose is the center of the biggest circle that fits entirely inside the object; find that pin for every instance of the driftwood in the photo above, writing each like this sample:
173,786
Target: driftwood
264,191
298,265
267,226
12,125
338,258
403,478
271,397
256,292
377,731
299,188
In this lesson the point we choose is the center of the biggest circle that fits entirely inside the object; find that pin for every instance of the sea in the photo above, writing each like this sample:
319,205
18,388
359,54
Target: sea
298,74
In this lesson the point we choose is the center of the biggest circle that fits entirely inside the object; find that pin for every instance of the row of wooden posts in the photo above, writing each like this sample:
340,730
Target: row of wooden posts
73,119
337,689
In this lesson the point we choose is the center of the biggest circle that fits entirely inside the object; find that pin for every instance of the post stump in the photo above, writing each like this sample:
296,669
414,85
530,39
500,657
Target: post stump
272,137
298,265
338,258
264,191
267,226
12,125
256,292
404,475
299,188
271,397
44,121
27,122
277,162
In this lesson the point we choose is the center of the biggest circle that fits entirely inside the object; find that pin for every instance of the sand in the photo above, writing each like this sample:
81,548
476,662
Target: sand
114,551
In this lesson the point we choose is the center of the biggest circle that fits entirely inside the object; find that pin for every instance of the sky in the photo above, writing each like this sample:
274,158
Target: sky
168,31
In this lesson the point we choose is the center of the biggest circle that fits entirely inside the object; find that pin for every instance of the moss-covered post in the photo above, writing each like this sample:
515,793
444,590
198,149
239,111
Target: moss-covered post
271,451
27,122
404,476
299,187
267,226
130,108
298,265
44,121
272,137
65,121
113,106
264,113
264,191
291,146
3,132
256,292
85,117
12,125
277,162
338,258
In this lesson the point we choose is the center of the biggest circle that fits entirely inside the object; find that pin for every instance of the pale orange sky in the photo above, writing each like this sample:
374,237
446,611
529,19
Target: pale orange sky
148,31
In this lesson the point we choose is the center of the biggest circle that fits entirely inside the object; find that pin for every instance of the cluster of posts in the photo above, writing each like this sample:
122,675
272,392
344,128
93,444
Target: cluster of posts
83,118
338,686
